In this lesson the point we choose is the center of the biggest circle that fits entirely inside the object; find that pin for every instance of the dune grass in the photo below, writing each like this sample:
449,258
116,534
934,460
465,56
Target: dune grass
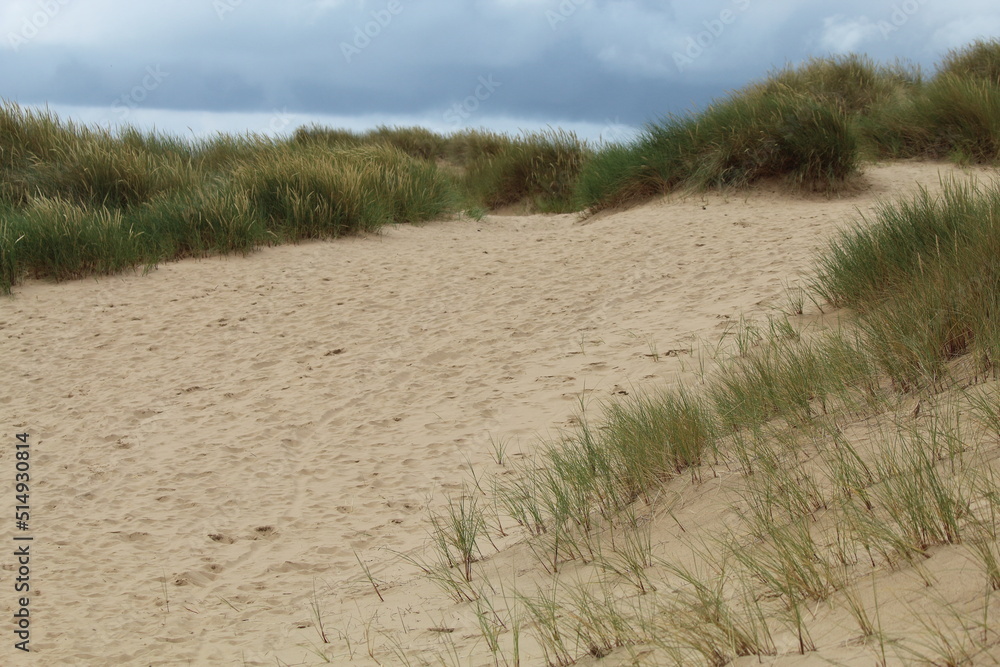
812,126
951,115
753,135
853,83
798,125
80,201
927,260
539,168
416,142
84,202
978,60
839,484
809,126
328,193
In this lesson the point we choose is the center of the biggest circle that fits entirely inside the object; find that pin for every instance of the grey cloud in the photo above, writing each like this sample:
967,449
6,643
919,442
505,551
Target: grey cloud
596,60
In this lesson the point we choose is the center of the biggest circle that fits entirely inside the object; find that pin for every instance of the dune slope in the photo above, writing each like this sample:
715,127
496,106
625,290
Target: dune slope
216,444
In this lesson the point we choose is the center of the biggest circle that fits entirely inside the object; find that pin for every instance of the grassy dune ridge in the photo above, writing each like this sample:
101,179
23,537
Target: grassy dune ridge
77,201
66,189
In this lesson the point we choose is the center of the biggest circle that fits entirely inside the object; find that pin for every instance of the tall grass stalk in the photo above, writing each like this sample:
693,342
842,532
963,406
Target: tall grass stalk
702,618
544,610
459,529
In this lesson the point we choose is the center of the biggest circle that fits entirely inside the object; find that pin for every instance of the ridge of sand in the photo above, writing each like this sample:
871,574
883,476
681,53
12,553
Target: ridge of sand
216,440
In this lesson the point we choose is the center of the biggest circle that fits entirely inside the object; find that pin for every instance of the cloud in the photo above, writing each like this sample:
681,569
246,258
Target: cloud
842,35
567,60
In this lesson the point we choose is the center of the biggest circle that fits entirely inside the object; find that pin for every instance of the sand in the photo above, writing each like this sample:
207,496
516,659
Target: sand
216,444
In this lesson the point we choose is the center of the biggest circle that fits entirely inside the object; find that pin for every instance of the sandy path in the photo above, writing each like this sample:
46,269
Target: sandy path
214,439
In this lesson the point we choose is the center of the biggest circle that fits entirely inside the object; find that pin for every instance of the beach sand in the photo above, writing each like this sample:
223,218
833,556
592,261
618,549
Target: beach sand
215,444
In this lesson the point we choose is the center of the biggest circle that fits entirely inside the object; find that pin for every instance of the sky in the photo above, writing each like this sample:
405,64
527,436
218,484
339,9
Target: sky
601,68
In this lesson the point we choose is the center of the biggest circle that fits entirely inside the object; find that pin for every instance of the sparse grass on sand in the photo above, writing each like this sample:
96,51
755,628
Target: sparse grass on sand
837,483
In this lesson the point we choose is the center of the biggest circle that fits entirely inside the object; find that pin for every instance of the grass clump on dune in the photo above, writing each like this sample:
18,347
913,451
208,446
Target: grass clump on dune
810,125
112,174
930,261
80,202
133,199
322,193
953,115
276,195
219,155
417,142
884,252
751,136
468,145
63,240
962,117
43,157
211,219
979,60
171,198
27,135
853,83
799,125
761,136
491,170
540,168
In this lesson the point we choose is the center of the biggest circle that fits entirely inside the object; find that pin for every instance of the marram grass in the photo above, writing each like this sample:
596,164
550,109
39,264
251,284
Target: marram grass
809,126
823,510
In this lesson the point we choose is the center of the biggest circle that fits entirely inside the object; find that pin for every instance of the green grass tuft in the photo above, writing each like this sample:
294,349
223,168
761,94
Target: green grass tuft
753,135
539,168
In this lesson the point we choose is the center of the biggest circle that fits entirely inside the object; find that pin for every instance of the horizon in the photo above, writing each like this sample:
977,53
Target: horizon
194,125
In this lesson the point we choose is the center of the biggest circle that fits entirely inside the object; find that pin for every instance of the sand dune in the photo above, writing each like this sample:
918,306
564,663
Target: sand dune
217,442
